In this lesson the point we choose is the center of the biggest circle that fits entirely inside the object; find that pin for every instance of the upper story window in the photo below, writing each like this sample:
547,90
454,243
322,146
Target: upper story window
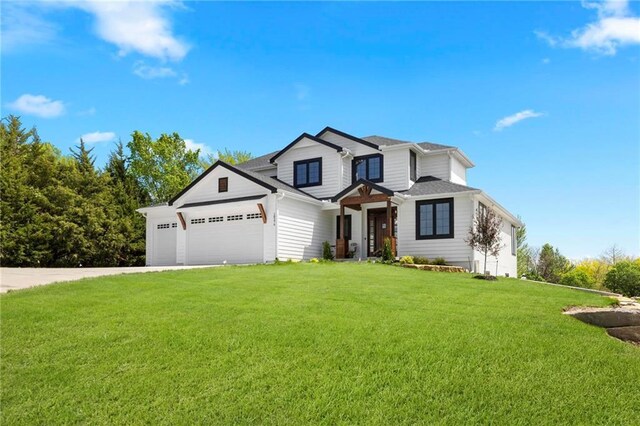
434,219
307,173
413,166
223,184
367,167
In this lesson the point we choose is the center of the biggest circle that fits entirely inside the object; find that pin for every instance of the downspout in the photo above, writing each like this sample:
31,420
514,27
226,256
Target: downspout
276,219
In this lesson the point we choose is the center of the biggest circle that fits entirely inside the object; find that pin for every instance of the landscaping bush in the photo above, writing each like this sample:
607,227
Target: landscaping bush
439,261
387,253
406,260
419,260
314,260
533,275
624,278
485,277
578,278
326,251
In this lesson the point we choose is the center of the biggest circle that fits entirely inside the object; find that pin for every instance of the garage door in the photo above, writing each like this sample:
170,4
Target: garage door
234,238
164,243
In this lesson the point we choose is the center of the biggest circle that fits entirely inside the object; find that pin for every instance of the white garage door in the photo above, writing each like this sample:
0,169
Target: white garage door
164,243
234,238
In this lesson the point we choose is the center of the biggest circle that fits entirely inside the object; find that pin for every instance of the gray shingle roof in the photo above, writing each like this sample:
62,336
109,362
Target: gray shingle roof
429,185
276,183
381,140
258,162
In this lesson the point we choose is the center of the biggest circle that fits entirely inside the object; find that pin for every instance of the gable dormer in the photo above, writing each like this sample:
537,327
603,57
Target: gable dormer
312,165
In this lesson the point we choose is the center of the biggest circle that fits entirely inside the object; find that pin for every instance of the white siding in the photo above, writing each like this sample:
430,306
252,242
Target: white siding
505,263
331,181
458,172
181,241
435,165
302,228
207,188
270,172
269,249
396,169
454,250
346,172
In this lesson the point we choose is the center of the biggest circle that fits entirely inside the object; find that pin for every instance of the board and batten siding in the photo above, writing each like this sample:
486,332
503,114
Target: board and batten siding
435,165
304,150
207,188
454,250
301,229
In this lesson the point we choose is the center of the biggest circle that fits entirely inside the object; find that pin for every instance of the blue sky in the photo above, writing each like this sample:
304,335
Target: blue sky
543,97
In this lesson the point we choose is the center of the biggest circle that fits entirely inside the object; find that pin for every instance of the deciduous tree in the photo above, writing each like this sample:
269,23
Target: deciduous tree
484,233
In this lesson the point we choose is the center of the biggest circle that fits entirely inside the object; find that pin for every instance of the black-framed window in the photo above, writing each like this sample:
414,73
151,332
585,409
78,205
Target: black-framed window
307,172
223,184
347,227
413,166
434,219
514,240
369,167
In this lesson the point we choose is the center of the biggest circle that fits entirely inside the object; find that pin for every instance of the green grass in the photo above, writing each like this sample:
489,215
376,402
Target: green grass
310,343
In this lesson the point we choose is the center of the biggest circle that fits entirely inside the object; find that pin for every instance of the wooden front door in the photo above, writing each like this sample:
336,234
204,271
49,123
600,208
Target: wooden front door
377,229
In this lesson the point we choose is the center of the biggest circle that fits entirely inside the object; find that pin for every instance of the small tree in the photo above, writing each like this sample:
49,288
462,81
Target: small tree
326,251
613,255
387,252
484,233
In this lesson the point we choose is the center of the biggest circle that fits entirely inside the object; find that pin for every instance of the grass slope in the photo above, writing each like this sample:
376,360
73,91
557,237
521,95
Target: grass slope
309,343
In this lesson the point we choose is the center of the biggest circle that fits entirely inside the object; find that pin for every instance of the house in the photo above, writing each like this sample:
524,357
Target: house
353,192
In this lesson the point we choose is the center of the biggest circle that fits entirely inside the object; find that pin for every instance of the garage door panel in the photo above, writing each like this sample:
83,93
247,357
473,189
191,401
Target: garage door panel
233,241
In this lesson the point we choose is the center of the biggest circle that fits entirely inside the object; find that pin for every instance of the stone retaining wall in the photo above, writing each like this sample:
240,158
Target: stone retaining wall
438,268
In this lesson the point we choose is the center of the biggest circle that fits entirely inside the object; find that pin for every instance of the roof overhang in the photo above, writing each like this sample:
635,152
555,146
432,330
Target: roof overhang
354,187
301,138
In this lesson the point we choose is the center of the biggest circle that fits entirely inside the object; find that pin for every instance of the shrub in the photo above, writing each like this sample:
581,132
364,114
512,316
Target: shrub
406,260
533,275
419,260
326,251
439,261
387,253
624,278
314,260
578,278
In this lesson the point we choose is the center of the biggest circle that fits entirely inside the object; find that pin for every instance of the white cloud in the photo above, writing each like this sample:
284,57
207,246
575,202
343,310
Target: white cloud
137,26
23,26
193,145
546,61
515,118
38,105
616,26
97,137
149,72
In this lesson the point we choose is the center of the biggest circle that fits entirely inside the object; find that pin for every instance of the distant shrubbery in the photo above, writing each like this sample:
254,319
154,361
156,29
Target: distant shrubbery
624,278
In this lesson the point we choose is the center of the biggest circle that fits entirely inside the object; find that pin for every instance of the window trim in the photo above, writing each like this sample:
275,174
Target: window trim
226,184
434,236
366,158
347,227
514,241
307,162
413,166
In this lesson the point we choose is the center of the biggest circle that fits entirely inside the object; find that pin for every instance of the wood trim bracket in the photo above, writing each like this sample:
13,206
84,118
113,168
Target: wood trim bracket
263,213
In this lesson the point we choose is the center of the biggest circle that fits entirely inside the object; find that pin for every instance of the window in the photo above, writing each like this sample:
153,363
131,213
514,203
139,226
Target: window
174,225
163,226
307,173
223,184
347,227
254,216
514,240
234,217
434,219
216,219
367,167
413,170
197,221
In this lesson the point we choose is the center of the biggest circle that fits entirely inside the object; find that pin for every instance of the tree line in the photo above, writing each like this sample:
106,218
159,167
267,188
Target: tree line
61,210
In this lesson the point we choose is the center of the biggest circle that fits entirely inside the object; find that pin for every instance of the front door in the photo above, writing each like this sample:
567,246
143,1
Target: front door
377,229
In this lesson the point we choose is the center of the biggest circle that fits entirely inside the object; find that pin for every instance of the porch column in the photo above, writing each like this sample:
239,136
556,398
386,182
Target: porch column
340,244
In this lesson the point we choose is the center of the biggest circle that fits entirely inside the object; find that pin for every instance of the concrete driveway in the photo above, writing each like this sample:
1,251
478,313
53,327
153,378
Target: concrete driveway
19,278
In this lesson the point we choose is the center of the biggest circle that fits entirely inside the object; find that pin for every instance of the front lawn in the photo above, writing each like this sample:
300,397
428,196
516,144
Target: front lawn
309,343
